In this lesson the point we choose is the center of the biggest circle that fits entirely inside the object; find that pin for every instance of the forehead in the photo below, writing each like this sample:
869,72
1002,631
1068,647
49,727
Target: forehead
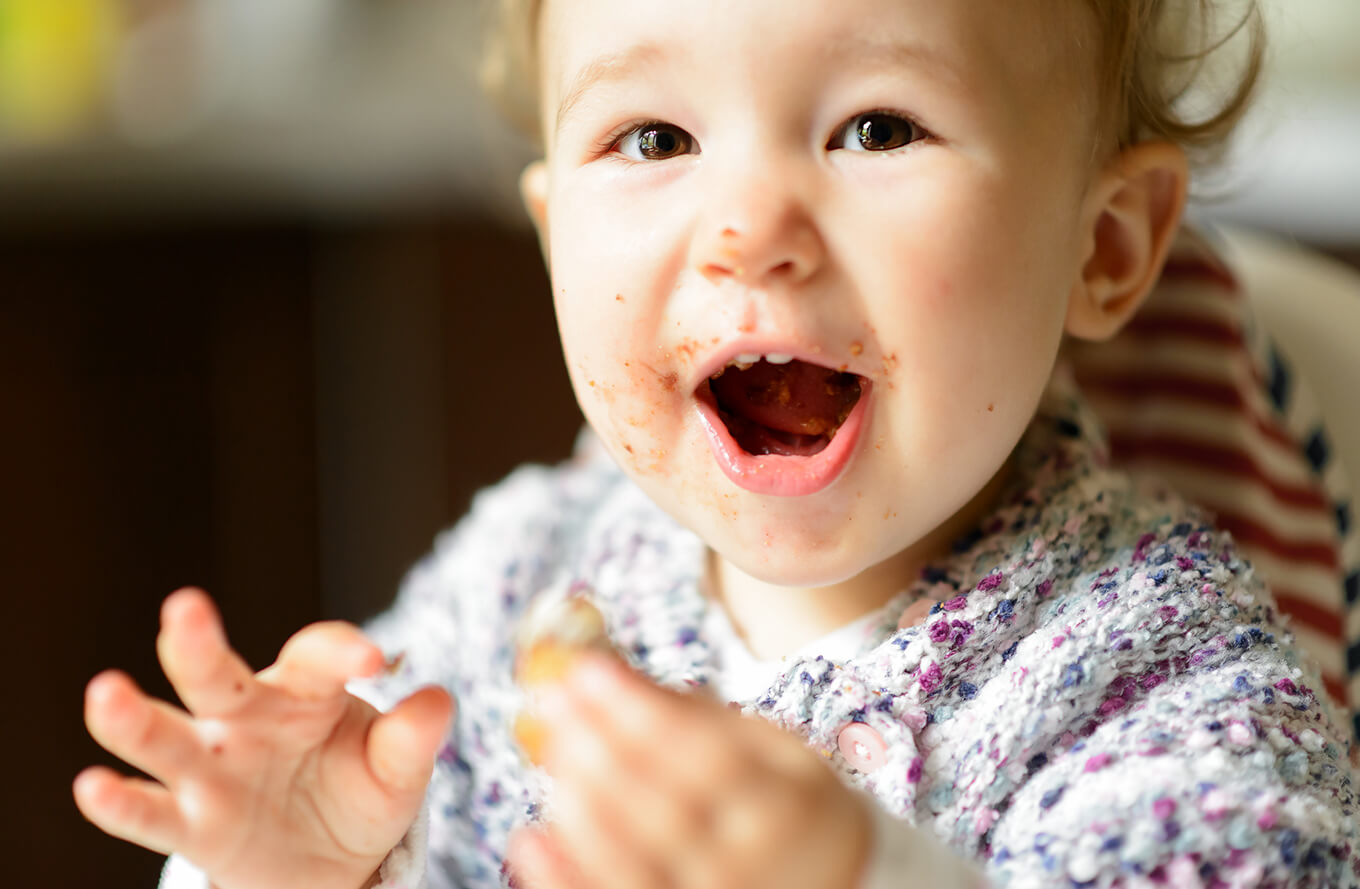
1025,46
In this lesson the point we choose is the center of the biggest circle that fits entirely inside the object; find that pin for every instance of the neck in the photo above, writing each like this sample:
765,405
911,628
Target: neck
777,620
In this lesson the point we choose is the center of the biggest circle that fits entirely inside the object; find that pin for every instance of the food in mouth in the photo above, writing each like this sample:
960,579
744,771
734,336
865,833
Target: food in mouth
788,406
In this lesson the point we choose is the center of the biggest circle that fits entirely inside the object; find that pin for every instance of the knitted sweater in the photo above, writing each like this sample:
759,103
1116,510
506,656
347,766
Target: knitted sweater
1104,693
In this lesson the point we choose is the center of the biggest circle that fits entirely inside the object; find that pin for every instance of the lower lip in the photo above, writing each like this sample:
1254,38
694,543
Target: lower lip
779,475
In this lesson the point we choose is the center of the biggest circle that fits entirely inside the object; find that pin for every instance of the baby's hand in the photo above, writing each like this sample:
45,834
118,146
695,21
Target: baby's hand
271,780
657,789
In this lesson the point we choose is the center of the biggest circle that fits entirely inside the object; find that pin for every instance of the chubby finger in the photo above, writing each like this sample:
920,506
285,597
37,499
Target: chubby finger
148,734
586,766
319,659
131,809
402,743
707,743
674,822
702,746
537,860
208,676
597,819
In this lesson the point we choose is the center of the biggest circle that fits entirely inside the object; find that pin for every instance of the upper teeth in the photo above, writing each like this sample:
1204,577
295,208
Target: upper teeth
746,359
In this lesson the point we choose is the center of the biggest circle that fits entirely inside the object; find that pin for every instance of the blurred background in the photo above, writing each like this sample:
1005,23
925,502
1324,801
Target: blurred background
269,314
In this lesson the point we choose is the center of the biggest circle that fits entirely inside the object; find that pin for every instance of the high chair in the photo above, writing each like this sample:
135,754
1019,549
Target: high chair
1310,305
1238,383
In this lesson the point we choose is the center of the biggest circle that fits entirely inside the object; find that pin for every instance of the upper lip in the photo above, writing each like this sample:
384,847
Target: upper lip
724,353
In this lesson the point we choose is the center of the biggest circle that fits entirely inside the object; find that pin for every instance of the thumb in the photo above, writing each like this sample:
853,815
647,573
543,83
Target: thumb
402,743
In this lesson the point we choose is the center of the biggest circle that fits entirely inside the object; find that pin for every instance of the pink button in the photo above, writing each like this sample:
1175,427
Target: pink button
916,613
862,747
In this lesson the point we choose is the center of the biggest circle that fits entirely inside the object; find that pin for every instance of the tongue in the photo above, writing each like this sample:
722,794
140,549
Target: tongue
796,405
761,440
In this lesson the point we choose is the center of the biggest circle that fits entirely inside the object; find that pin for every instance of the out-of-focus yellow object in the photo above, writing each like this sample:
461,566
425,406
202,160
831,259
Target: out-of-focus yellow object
551,637
54,64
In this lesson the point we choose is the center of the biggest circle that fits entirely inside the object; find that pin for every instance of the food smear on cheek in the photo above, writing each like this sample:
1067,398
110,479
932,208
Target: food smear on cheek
687,348
648,379
639,411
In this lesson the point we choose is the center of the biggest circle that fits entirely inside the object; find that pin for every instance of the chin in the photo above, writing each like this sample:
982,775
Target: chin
787,571
793,562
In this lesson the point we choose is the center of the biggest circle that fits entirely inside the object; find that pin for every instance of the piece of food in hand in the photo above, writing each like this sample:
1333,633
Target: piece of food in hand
550,638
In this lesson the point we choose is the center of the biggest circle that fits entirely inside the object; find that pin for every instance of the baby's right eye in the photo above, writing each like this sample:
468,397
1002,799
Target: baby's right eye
654,142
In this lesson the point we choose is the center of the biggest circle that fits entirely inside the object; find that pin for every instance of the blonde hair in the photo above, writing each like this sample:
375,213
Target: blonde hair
1166,72
1154,60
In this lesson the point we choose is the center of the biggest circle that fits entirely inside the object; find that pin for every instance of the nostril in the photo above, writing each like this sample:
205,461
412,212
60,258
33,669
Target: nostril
714,272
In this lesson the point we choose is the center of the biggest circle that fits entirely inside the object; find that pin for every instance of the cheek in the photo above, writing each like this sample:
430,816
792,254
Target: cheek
627,388
986,264
971,310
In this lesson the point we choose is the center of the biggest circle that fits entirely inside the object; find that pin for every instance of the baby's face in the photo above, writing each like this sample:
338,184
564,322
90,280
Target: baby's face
889,191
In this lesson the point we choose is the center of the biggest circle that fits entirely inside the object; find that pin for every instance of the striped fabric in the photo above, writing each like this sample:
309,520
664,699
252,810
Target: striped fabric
1194,391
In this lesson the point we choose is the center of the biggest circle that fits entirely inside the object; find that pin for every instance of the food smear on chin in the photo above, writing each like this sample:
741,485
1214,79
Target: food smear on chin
791,409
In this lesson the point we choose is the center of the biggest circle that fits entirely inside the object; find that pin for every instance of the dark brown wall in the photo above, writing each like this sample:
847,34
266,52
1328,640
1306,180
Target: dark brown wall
159,395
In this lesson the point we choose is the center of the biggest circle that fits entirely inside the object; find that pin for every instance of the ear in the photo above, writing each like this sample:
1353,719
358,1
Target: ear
533,189
1132,216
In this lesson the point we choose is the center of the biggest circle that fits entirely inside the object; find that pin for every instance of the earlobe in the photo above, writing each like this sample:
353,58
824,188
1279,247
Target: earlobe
533,189
1134,212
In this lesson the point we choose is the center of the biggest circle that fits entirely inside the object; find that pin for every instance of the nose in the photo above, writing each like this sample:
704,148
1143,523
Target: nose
760,232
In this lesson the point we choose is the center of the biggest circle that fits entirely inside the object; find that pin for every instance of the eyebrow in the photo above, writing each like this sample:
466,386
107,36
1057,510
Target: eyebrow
898,54
605,68
620,65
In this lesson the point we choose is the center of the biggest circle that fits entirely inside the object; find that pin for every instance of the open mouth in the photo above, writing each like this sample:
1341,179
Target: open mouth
787,406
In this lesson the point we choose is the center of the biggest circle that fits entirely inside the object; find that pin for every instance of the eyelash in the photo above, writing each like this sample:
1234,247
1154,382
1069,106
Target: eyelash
922,134
608,144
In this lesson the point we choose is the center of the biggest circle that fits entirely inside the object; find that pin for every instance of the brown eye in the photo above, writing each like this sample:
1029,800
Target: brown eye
876,131
655,142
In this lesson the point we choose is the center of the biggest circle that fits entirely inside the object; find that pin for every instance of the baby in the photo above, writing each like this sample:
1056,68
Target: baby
885,616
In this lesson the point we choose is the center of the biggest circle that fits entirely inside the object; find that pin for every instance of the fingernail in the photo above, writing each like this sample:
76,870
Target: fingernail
85,781
597,677
553,703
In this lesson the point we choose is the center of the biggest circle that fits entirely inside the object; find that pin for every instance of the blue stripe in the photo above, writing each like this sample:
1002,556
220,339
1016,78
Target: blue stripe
1278,382
1317,451
1343,518
1352,657
1353,588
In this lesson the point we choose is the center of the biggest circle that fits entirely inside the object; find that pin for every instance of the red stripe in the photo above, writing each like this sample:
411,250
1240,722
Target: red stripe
1129,446
1143,385
1155,325
1164,322
1202,269
1307,612
1336,690
1148,386
1247,531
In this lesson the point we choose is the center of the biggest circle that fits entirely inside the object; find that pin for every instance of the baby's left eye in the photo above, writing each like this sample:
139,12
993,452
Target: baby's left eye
876,131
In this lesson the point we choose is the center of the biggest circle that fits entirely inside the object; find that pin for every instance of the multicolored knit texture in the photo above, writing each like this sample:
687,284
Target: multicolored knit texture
1109,696
1105,694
